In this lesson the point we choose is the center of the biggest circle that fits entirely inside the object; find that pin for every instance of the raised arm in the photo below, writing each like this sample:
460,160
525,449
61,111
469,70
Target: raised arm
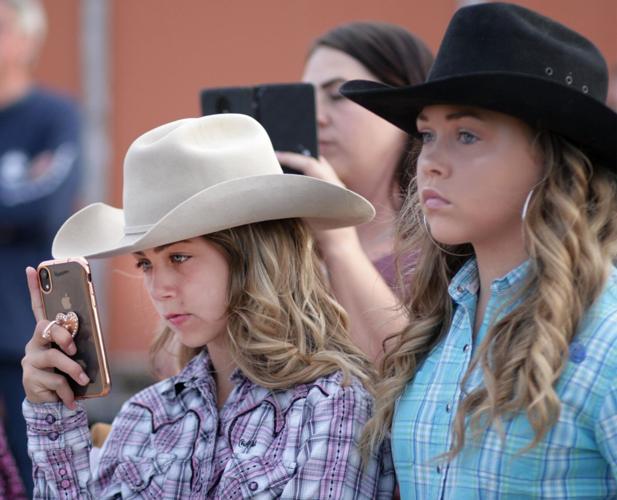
374,309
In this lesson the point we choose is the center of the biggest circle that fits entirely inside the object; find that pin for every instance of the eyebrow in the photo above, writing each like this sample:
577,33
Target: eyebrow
457,115
160,248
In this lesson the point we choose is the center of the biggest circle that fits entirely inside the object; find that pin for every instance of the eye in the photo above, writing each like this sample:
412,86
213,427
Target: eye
143,264
178,258
425,136
334,96
467,137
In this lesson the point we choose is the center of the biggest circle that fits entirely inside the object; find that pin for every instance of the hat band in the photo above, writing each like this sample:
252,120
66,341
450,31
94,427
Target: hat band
136,229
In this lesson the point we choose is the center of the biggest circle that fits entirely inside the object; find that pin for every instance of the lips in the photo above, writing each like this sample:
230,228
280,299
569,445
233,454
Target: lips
176,319
433,199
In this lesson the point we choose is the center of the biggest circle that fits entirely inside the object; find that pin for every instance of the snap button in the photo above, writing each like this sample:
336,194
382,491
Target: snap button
65,484
466,347
585,89
253,485
549,71
448,408
577,352
569,79
50,419
53,436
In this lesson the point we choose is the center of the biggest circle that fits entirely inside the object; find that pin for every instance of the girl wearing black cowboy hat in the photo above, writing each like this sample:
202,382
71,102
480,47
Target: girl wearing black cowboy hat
504,384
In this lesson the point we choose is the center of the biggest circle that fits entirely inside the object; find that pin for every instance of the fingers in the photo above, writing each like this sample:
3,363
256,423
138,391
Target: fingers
53,358
308,165
301,163
35,294
46,387
57,334
42,384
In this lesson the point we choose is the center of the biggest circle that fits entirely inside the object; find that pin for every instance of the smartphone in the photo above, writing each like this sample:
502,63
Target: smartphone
286,111
66,285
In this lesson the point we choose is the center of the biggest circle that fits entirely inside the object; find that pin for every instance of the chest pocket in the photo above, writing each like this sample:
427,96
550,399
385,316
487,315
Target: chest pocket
254,477
143,477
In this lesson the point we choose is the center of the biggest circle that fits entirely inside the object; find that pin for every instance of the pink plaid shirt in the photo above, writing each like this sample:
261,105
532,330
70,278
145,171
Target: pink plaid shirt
11,486
171,441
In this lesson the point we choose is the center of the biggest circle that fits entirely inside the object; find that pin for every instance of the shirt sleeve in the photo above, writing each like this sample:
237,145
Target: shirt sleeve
329,464
59,446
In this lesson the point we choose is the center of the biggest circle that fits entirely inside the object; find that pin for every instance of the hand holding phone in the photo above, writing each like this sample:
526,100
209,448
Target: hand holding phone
64,367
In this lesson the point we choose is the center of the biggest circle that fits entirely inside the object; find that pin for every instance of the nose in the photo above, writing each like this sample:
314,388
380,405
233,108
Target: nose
160,284
433,161
321,110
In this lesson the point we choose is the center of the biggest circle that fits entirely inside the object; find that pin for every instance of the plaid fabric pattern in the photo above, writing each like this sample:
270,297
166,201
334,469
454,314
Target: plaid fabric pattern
11,485
578,456
171,441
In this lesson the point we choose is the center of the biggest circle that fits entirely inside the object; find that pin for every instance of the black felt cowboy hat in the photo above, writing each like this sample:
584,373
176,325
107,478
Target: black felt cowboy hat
509,59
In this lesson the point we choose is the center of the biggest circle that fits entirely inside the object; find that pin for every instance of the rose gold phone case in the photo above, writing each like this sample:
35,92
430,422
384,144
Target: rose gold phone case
71,290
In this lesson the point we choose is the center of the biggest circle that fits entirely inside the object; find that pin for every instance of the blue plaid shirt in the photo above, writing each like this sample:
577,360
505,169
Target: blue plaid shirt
576,459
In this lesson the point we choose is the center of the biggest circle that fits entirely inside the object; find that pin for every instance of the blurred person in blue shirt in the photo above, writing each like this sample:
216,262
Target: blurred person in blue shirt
39,177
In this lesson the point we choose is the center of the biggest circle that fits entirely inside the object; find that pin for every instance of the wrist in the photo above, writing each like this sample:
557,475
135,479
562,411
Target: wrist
337,244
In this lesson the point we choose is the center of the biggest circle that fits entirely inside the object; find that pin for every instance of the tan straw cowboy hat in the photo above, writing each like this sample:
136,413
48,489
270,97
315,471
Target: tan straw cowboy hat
201,175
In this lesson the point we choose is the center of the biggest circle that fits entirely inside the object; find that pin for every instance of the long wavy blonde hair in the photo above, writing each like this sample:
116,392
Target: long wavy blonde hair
284,326
570,232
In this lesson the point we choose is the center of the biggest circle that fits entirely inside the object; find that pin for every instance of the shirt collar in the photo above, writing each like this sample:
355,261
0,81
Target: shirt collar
466,281
198,372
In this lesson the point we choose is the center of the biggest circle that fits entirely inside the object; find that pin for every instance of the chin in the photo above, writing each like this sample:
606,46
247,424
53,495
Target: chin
448,236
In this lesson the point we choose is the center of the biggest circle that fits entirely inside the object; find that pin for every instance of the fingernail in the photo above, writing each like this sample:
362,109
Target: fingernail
71,349
83,379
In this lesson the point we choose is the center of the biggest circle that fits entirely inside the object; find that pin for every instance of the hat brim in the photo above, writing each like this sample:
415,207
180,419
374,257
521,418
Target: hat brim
98,229
538,101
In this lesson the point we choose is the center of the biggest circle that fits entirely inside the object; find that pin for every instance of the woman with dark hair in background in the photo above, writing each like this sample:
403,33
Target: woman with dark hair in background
368,155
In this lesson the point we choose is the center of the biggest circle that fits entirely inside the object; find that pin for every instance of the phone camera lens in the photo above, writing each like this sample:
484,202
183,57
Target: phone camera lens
45,280
222,105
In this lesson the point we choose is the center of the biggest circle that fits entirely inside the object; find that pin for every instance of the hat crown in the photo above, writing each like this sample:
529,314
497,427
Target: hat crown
503,38
171,163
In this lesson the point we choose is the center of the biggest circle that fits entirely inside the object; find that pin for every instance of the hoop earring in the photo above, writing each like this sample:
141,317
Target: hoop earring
428,232
526,204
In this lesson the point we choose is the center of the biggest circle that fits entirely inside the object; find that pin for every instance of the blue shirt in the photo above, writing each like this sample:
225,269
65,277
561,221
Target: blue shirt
577,458
39,183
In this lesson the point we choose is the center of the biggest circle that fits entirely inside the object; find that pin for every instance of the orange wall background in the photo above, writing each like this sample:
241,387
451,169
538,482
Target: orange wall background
162,53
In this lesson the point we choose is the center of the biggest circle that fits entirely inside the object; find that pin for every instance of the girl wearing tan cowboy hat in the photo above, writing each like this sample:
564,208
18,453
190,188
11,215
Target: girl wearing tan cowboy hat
504,384
270,402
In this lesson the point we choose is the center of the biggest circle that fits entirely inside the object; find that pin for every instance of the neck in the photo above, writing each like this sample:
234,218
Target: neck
496,259
223,367
13,86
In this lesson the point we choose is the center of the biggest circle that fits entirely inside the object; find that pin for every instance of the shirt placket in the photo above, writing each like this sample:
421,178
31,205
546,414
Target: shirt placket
461,352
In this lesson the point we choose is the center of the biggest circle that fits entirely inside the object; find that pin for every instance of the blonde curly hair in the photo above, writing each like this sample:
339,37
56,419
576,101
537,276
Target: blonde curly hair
570,233
284,326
